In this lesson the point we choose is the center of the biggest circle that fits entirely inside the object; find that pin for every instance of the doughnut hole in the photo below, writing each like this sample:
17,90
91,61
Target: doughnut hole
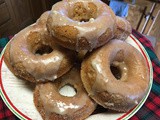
39,44
116,72
83,13
68,90
118,66
43,49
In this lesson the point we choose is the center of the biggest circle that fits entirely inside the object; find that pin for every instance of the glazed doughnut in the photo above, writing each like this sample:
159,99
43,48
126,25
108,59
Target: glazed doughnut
124,28
116,76
34,56
81,24
54,106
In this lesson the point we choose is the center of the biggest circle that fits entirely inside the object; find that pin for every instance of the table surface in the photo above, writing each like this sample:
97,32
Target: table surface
149,111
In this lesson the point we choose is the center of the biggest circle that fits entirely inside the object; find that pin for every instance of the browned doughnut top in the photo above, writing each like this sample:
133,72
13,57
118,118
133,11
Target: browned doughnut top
81,24
54,106
116,76
33,55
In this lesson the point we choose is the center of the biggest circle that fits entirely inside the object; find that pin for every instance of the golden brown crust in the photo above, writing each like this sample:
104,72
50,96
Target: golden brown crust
66,36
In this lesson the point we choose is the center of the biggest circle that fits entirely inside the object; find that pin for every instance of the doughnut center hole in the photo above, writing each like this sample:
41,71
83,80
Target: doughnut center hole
43,49
116,72
83,12
68,91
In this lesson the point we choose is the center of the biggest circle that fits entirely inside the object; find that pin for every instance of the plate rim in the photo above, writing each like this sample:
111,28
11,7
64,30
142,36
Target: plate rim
125,116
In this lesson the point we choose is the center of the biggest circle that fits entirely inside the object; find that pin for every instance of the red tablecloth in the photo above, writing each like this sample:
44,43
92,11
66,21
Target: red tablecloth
149,111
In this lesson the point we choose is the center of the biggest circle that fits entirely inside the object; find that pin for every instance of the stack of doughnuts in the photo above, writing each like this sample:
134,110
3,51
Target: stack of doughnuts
80,43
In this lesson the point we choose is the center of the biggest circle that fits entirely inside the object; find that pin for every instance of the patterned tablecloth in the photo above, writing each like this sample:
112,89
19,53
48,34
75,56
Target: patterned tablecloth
149,111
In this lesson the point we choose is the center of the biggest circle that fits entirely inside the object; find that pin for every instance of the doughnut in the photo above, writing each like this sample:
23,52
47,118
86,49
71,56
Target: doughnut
124,28
52,105
81,24
33,55
116,76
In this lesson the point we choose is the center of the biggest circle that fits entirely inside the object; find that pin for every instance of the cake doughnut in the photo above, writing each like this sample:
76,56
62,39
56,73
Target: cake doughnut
33,55
124,28
81,24
54,106
116,76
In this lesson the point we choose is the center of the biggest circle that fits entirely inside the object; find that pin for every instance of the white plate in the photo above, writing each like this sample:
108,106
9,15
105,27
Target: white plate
18,94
